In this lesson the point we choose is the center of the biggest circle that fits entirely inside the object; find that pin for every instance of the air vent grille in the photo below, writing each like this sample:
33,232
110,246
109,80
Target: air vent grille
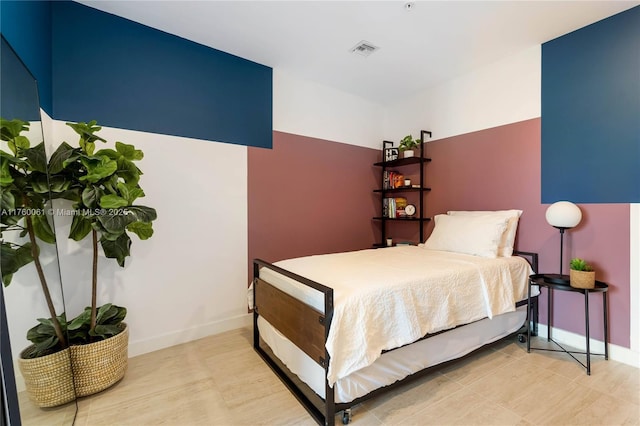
364,48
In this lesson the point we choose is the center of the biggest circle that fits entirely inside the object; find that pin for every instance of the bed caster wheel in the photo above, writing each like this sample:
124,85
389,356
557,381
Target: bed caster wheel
346,416
522,338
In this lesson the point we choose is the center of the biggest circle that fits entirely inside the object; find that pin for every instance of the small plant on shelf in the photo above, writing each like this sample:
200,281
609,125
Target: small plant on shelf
578,264
581,274
407,146
408,143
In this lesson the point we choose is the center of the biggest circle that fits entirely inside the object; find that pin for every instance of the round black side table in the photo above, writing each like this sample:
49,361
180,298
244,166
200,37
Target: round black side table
600,287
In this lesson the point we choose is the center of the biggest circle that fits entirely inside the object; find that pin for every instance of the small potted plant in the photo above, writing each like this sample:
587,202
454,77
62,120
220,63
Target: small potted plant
407,146
581,274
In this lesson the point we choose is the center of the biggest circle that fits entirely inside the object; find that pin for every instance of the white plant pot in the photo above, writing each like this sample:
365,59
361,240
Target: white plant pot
407,153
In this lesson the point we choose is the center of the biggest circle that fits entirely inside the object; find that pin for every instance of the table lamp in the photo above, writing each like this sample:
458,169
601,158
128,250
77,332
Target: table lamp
562,215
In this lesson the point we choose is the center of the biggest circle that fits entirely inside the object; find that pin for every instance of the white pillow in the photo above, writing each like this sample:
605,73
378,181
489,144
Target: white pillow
476,235
505,249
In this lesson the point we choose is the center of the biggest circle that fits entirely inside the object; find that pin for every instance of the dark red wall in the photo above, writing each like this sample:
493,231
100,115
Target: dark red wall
310,196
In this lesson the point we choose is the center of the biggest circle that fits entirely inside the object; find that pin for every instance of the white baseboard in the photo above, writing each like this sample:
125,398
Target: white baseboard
170,339
183,336
616,353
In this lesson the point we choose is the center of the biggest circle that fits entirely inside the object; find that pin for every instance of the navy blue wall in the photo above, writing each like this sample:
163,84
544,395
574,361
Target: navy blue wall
18,88
591,113
27,27
130,76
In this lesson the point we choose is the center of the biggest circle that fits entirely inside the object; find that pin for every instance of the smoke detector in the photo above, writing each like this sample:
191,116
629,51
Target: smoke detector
364,48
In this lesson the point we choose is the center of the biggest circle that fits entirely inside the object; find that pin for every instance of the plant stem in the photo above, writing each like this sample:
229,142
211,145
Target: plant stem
43,283
94,280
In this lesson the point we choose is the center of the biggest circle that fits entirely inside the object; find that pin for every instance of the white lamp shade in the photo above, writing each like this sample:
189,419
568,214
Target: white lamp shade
563,214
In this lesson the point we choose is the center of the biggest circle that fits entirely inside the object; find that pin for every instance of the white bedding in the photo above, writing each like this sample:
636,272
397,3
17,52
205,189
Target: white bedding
390,297
394,365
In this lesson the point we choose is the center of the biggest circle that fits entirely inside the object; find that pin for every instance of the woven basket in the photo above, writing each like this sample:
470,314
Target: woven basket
97,366
48,379
582,279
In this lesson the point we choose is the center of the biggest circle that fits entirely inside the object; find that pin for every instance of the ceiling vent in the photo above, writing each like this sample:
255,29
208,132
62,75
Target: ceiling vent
364,48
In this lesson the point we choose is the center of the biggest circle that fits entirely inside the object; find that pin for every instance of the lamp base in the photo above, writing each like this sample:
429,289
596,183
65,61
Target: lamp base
557,279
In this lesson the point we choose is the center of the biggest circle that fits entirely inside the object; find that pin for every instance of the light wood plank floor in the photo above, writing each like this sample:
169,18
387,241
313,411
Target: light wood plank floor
220,380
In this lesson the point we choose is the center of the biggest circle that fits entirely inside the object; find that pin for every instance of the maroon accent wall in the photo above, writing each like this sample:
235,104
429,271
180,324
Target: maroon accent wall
310,196
499,168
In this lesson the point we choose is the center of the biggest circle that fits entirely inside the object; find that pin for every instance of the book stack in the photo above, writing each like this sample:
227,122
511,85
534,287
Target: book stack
392,180
394,207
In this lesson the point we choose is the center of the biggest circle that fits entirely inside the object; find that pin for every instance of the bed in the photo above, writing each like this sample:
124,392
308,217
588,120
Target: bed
341,328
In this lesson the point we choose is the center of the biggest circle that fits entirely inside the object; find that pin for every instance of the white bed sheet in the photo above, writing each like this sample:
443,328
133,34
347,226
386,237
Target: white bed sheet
394,365
412,288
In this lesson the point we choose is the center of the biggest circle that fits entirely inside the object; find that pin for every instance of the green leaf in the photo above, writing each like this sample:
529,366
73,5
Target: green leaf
36,158
98,169
9,129
128,171
63,153
143,213
83,319
21,142
58,183
12,259
5,173
118,249
91,196
144,231
114,223
7,201
129,151
112,202
42,229
80,227
135,193
39,183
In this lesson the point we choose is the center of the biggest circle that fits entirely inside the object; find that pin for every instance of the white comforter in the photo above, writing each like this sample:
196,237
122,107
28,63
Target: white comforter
390,297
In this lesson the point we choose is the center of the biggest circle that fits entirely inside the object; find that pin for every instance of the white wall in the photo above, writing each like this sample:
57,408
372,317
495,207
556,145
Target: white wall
306,108
504,92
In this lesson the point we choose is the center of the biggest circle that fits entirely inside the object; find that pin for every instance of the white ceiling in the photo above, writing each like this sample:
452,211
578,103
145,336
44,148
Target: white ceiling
433,42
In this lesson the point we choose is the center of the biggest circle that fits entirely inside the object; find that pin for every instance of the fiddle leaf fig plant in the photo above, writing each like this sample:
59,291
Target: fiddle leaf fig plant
105,188
24,188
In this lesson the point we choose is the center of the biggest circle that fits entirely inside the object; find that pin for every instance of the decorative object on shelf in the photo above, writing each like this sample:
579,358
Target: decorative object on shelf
562,215
389,242
581,274
410,210
407,183
390,154
407,146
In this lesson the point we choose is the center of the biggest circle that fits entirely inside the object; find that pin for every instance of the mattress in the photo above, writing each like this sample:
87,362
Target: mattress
397,364
397,295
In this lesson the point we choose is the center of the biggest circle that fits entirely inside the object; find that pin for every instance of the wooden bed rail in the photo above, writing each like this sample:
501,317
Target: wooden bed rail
305,326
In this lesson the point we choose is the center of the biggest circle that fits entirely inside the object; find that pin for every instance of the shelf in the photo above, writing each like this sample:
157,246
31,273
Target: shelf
404,219
403,189
402,162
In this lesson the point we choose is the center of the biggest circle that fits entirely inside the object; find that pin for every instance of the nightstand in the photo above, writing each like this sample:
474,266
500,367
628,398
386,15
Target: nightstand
539,280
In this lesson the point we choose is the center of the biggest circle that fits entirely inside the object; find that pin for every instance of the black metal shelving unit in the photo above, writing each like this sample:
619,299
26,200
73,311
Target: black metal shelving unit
419,160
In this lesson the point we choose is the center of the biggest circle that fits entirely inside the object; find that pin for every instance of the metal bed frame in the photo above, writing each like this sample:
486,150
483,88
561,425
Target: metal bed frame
308,329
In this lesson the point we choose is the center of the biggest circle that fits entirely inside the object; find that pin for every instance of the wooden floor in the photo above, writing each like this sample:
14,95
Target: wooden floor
220,380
